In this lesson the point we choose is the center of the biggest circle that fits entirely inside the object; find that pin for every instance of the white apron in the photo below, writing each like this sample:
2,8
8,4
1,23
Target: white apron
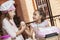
11,30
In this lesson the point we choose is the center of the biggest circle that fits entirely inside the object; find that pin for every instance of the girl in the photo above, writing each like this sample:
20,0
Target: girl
10,31
40,21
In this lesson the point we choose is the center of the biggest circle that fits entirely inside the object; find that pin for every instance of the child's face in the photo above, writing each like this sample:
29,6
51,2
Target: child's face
12,13
36,16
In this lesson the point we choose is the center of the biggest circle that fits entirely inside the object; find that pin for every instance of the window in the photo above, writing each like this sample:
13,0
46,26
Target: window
44,7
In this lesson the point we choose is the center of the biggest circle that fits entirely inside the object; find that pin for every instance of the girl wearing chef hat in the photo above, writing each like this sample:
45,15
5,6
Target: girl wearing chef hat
11,32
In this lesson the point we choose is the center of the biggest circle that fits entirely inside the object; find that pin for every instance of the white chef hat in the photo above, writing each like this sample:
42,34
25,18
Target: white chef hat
7,6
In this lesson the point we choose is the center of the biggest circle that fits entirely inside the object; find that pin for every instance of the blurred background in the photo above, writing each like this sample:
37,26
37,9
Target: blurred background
25,9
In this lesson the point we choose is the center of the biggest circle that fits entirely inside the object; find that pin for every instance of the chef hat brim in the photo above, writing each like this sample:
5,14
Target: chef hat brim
6,6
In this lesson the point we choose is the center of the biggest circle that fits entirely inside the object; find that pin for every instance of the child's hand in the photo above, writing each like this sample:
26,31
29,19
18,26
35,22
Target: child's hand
23,24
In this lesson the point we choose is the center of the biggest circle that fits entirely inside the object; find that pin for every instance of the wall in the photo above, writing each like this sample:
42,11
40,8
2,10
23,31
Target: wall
25,9
30,9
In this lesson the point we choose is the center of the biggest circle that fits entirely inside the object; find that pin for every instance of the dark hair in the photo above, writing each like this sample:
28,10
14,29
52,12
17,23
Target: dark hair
2,16
0,19
42,14
17,20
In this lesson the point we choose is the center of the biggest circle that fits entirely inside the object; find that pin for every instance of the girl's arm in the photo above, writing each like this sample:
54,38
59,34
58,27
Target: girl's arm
22,28
29,31
7,26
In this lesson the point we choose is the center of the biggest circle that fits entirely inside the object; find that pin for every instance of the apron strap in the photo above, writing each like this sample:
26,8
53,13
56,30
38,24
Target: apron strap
4,36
